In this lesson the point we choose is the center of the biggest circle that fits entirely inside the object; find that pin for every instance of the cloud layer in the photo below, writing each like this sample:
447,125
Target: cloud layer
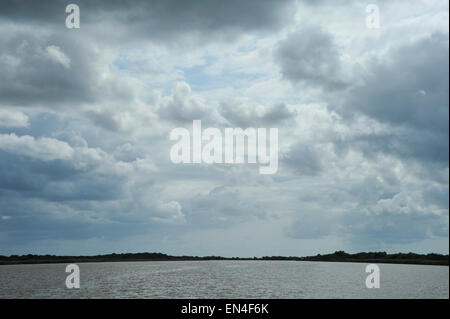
85,117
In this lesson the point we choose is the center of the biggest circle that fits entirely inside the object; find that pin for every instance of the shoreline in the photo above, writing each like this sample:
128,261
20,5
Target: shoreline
338,256
181,260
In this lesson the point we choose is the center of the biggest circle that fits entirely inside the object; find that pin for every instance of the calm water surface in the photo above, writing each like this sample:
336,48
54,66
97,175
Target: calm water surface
223,279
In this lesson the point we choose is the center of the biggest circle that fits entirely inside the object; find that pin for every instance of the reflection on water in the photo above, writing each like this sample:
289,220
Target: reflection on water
224,279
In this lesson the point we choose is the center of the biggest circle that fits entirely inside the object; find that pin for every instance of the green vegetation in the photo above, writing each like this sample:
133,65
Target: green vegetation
338,256
383,257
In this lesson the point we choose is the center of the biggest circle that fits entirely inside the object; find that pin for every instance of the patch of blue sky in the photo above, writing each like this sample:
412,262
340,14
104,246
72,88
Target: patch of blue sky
122,64
199,80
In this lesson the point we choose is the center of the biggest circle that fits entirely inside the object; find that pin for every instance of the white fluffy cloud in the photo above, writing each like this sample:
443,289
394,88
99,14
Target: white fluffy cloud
55,54
11,118
42,148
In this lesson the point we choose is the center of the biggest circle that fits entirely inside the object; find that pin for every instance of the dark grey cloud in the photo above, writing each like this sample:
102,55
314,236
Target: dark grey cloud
408,91
303,159
50,193
158,19
242,114
182,108
430,148
45,69
44,63
408,87
104,120
35,220
56,180
309,56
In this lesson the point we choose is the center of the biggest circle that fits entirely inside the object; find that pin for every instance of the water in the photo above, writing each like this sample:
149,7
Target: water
224,279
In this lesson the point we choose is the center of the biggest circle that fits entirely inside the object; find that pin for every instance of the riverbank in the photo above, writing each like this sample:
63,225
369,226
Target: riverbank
338,256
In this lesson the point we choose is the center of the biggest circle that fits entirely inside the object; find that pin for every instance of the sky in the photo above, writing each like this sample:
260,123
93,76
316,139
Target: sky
86,113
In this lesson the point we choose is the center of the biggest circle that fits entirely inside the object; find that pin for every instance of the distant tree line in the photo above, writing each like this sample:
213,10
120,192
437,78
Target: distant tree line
337,256
383,257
